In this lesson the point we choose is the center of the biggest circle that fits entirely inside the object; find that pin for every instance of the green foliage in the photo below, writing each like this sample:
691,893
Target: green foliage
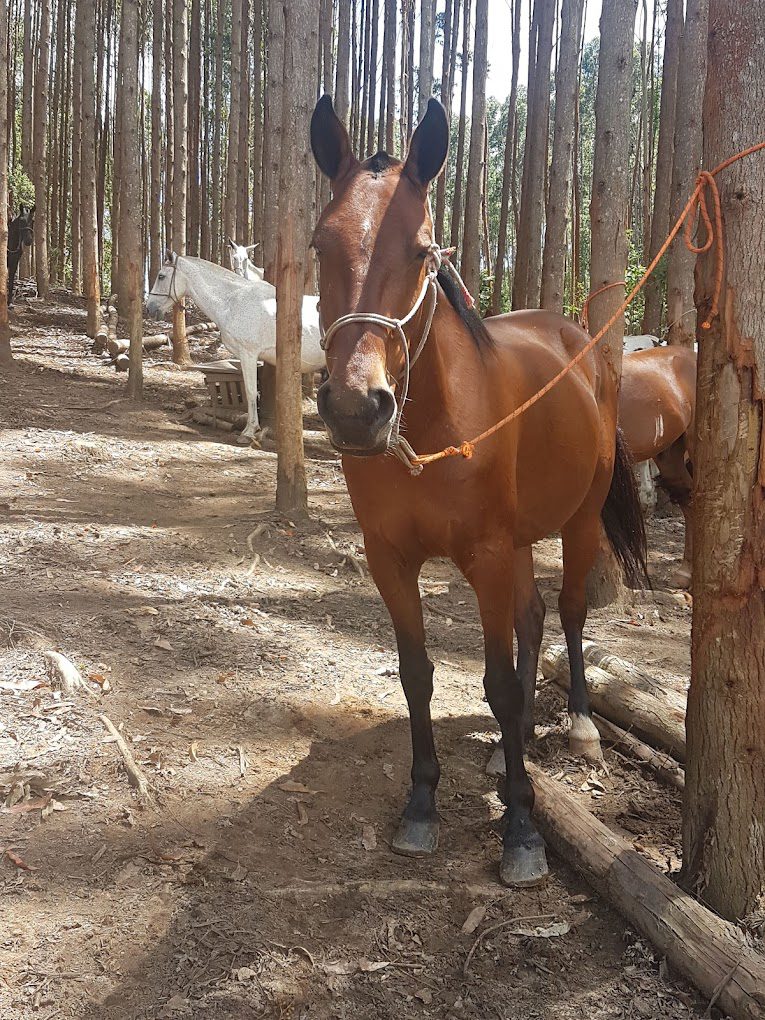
635,269
20,188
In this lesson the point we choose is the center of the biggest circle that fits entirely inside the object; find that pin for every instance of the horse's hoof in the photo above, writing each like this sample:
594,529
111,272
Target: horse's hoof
524,866
244,440
415,839
496,766
584,739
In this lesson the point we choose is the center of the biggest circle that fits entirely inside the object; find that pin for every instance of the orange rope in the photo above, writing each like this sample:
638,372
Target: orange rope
591,297
696,205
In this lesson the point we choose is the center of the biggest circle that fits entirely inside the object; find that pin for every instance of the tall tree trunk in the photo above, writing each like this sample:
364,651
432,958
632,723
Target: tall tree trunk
456,225
427,47
27,107
257,123
664,158
76,213
40,153
471,238
217,153
130,226
389,66
724,809
372,74
85,30
451,30
205,239
366,17
170,128
301,31
181,354
554,261
193,197
343,59
6,354
508,169
687,163
243,168
608,220
528,260
155,224
232,164
273,134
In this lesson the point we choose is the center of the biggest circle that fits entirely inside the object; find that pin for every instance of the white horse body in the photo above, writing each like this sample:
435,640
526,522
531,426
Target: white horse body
245,313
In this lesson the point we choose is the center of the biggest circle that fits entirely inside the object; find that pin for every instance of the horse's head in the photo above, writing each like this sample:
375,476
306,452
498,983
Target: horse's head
24,224
374,243
168,289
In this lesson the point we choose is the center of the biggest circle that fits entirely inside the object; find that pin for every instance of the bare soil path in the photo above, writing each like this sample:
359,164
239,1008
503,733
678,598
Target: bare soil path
257,689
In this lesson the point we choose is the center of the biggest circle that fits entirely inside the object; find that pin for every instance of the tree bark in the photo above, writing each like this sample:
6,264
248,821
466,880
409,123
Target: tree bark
554,259
528,263
76,211
85,31
372,75
301,32
389,66
456,225
273,134
608,222
687,163
257,123
40,151
427,47
508,177
723,845
155,224
6,354
471,237
130,227
243,168
451,30
217,150
664,159
343,59
181,354
27,99
232,163
193,198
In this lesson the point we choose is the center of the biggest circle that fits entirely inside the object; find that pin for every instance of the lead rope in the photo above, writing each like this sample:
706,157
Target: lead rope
695,206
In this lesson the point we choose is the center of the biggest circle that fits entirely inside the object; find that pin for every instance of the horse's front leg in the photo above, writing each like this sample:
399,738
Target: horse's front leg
489,569
249,365
396,580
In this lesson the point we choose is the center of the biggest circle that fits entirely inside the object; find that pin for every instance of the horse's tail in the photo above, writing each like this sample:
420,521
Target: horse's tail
622,518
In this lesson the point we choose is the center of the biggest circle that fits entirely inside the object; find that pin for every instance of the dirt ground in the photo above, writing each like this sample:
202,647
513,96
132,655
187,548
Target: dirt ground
256,686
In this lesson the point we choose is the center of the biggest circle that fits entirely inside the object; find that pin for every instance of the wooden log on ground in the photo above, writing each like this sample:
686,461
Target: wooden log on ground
121,363
204,416
657,722
117,347
710,952
596,655
153,343
665,767
201,327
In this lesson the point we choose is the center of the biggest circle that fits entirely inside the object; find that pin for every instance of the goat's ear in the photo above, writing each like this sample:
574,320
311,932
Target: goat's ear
251,248
429,146
231,243
330,142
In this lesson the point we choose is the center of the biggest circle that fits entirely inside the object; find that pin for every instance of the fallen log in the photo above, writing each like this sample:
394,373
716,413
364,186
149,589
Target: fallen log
657,722
201,327
596,655
121,363
710,952
153,343
665,767
117,347
204,416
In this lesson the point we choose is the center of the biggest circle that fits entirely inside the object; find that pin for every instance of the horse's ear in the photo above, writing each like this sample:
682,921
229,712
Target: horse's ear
330,142
251,248
32,211
429,145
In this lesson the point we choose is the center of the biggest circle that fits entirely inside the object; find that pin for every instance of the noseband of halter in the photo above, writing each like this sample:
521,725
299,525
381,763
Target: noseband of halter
429,291
171,293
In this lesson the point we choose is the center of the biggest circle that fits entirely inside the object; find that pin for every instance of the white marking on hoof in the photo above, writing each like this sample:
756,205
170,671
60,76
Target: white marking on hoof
583,737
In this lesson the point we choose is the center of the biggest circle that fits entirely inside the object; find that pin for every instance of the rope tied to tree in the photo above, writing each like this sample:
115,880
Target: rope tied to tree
697,207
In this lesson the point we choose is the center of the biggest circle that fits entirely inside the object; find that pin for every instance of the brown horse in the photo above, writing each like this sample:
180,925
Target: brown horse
657,406
558,467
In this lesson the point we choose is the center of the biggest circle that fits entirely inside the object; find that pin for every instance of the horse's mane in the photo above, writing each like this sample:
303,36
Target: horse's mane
470,317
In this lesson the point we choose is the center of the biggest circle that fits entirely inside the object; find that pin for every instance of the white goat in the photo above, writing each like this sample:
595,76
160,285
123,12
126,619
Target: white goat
241,262
245,313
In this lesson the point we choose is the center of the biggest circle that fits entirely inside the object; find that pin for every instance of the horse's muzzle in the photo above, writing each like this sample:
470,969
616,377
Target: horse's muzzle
359,422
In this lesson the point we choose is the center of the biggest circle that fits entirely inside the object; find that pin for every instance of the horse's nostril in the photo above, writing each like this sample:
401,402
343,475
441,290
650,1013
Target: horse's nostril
385,403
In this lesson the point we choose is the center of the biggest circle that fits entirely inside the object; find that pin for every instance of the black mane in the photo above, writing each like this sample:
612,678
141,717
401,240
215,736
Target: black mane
456,297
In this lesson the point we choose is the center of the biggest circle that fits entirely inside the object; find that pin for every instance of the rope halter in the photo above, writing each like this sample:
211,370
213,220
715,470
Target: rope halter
428,292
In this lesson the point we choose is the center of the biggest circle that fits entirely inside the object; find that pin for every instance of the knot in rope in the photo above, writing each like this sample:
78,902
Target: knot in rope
699,210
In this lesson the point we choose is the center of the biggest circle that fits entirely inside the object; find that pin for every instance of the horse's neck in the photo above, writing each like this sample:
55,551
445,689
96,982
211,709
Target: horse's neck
448,358
210,291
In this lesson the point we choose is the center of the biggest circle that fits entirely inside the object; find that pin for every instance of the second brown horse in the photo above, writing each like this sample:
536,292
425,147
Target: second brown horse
561,466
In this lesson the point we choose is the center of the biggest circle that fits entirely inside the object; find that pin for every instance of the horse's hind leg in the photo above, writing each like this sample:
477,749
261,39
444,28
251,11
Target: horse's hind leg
675,478
490,572
581,536
396,580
